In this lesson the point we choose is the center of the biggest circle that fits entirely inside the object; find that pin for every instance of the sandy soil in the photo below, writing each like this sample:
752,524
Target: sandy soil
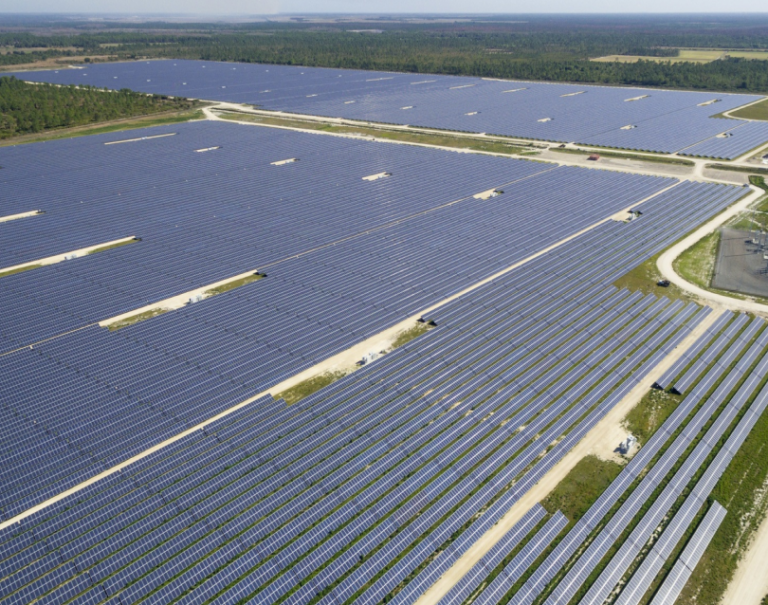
15,217
750,582
601,441
52,260
175,302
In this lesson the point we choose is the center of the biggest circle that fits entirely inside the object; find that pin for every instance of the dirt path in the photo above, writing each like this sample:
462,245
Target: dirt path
59,258
600,441
750,582
667,259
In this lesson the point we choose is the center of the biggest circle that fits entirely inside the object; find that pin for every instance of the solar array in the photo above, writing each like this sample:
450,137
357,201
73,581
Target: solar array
675,581
626,118
500,551
515,569
736,142
345,258
594,541
374,486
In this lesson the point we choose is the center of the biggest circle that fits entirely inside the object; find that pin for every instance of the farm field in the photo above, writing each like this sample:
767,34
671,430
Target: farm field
688,55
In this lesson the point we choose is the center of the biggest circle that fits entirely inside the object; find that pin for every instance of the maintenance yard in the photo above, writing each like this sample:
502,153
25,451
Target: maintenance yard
741,266
498,440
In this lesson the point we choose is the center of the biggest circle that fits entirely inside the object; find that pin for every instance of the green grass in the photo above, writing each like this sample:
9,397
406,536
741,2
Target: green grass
113,246
134,319
758,181
248,279
582,487
132,124
446,140
408,335
18,270
697,264
758,111
308,387
652,411
644,279
745,169
739,490
659,159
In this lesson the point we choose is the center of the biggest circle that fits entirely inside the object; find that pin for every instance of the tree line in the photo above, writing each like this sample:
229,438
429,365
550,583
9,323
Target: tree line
30,108
539,49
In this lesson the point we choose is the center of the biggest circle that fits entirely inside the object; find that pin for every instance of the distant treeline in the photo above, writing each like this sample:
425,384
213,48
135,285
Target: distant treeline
496,57
552,49
29,108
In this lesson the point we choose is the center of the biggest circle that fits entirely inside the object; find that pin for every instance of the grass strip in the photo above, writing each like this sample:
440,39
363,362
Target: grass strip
308,387
234,284
581,487
758,111
113,246
134,319
130,124
19,270
395,135
645,277
652,411
729,168
697,263
758,181
410,334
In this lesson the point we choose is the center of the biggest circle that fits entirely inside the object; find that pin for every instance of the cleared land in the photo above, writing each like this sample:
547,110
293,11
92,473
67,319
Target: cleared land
688,55
406,137
685,56
758,111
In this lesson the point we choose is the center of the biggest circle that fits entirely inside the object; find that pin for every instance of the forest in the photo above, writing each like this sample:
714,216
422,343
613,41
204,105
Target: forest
30,108
549,48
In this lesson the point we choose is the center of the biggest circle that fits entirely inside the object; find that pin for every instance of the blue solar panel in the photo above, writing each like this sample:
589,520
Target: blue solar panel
628,118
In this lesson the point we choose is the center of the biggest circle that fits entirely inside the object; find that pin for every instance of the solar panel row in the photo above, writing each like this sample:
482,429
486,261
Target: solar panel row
663,503
675,582
157,378
689,356
654,329
627,118
515,569
684,517
495,556
583,566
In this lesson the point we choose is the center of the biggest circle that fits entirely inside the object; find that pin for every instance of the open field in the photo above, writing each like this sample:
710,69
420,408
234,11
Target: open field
758,111
687,55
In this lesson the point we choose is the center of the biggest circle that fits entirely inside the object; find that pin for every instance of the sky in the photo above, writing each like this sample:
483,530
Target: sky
255,7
